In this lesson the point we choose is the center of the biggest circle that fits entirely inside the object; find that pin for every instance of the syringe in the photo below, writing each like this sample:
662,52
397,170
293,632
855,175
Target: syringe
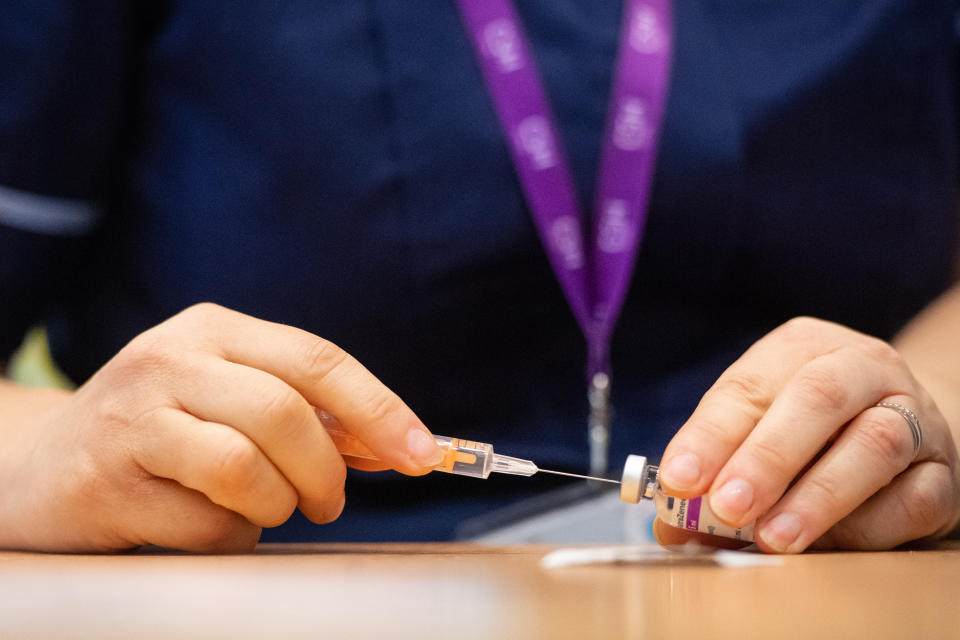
477,459
461,457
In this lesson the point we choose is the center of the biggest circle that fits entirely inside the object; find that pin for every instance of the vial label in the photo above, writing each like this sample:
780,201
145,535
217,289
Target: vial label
695,515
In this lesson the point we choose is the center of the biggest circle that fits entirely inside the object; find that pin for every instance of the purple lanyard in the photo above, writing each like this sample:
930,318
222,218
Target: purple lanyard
593,273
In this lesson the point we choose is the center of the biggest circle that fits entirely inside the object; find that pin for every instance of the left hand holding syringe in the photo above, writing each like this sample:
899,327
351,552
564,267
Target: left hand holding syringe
194,436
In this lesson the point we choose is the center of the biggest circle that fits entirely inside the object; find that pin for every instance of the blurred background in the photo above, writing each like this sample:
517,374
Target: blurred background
32,365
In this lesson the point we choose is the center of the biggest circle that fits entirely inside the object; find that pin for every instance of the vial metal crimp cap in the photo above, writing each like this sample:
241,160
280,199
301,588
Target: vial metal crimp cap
639,480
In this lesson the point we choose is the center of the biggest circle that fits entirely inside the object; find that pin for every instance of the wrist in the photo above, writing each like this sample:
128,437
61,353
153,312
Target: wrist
19,403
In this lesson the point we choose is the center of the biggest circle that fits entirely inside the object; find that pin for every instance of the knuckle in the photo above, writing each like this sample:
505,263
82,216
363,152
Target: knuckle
881,351
200,312
320,357
822,490
235,469
925,503
280,405
822,388
747,389
239,474
707,429
146,352
382,406
886,439
200,326
800,328
771,459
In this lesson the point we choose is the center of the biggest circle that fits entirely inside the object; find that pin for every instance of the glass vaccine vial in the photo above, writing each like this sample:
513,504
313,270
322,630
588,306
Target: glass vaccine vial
641,482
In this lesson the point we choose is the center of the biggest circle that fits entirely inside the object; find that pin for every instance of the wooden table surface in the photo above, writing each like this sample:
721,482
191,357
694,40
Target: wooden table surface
466,591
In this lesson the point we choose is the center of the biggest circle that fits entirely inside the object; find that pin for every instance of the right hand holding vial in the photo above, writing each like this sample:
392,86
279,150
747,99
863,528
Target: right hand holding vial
798,437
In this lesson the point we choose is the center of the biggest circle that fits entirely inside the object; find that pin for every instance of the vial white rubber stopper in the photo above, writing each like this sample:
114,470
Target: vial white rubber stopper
631,486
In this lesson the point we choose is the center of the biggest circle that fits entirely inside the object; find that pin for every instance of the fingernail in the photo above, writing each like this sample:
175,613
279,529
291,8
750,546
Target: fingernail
732,501
423,449
682,472
781,532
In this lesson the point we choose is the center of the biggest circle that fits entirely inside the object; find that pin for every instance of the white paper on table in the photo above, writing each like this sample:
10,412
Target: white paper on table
655,555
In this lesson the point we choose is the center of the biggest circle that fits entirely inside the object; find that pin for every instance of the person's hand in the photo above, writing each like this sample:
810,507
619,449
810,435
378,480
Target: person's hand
790,436
194,436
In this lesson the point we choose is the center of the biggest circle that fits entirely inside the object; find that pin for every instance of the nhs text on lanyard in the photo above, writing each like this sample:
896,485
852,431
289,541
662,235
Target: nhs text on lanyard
593,272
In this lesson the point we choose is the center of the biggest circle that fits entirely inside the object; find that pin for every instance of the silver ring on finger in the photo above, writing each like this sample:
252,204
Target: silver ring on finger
912,421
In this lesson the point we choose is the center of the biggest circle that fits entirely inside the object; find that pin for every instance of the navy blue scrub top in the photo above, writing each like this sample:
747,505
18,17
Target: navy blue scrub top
337,166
